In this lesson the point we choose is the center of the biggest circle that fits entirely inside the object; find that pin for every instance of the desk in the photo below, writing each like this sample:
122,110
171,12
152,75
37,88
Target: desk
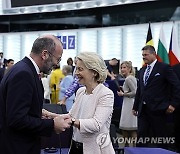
63,151
56,140
138,150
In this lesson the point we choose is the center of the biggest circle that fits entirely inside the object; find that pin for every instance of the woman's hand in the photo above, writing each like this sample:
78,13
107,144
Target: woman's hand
120,93
63,101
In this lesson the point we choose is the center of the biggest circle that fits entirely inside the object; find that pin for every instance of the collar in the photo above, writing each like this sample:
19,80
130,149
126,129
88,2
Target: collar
153,63
35,65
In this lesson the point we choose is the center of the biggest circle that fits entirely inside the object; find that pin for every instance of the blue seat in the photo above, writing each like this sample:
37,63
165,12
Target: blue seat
138,150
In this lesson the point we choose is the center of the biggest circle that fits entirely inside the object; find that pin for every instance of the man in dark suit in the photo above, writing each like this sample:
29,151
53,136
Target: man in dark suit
110,64
21,99
153,100
176,69
3,71
2,60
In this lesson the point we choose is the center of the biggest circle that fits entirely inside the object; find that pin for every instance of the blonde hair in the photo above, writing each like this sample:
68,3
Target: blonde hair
129,65
94,62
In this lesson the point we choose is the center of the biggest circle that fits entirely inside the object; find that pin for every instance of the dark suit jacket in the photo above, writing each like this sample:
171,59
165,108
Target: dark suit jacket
4,62
2,70
21,98
157,93
176,69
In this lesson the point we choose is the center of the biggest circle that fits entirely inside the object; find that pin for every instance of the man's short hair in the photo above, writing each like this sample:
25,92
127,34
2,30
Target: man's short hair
9,60
150,48
43,43
114,59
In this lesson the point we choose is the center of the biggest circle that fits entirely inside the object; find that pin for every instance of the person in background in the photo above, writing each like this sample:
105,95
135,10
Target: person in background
22,121
154,100
128,122
2,60
92,110
55,78
70,62
65,84
72,88
176,69
70,91
46,85
110,64
4,70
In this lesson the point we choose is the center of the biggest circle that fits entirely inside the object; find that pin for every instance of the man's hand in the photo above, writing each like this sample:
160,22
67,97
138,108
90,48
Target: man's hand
135,113
170,109
61,122
113,77
48,115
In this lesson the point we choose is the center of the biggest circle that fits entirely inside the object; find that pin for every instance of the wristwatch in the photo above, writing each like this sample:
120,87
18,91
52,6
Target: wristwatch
73,121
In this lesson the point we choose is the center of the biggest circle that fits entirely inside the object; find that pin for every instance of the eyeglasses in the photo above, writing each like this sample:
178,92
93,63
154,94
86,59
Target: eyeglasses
58,59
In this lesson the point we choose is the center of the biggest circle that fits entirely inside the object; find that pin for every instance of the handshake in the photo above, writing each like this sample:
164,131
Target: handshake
61,121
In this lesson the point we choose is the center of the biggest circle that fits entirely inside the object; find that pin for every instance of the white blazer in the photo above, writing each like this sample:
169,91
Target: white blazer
94,112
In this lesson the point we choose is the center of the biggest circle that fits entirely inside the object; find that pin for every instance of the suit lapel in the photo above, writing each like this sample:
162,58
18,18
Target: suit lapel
41,87
142,76
153,72
38,82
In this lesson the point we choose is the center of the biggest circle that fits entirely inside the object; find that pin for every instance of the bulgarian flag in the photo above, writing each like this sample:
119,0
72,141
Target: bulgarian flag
174,50
162,54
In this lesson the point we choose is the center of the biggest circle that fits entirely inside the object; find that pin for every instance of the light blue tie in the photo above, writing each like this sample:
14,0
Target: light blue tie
147,74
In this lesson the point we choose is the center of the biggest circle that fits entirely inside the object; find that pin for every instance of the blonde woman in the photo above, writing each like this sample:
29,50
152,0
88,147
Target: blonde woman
128,122
92,110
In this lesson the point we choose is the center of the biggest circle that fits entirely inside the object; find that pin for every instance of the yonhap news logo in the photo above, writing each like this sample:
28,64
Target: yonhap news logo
144,140
103,140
